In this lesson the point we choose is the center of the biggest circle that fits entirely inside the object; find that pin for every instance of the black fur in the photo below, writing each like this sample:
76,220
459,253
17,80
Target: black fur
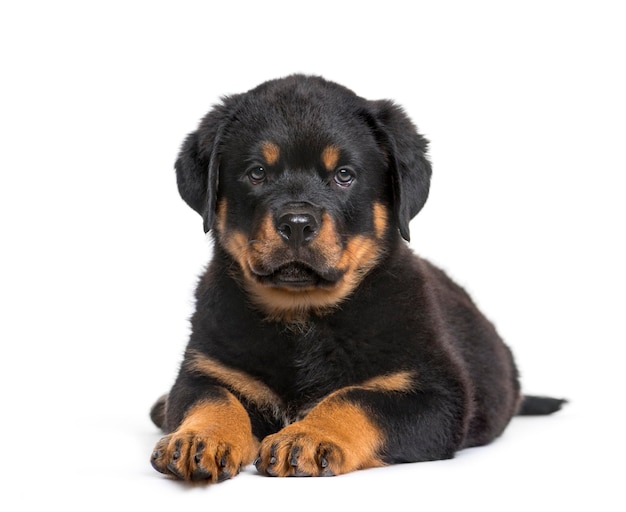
445,378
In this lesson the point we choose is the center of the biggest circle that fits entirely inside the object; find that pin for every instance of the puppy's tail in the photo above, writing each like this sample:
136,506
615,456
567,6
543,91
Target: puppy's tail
539,405
157,412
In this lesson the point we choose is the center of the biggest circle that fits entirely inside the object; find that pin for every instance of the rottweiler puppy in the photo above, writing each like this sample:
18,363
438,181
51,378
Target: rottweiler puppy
320,343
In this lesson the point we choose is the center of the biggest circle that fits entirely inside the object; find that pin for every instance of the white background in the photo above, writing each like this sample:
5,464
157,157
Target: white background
524,105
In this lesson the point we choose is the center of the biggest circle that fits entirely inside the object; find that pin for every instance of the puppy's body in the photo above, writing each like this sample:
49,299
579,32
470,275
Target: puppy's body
320,343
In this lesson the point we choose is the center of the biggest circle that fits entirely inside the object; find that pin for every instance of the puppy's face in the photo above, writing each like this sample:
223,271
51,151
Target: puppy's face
304,193
302,204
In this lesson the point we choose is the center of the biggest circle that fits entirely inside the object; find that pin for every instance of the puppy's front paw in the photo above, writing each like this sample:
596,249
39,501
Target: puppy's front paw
196,456
333,439
294,453
213,443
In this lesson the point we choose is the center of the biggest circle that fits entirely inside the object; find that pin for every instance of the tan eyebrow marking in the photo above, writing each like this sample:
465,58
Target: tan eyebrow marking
330,157
271,152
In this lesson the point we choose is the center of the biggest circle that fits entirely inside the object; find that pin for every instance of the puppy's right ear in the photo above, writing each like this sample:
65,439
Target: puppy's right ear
192,173
197,165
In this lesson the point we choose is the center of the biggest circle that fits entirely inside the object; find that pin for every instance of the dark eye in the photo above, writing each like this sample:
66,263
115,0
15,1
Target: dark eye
257,175
344,177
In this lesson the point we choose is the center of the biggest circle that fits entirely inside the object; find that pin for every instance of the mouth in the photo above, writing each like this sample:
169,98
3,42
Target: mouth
297,275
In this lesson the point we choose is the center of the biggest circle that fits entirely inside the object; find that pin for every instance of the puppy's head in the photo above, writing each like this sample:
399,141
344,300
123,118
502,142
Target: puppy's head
305,185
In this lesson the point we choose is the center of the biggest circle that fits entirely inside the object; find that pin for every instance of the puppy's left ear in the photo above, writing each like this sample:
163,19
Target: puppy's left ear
408,163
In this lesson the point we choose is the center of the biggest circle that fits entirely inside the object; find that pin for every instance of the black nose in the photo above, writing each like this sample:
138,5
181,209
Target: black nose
298,224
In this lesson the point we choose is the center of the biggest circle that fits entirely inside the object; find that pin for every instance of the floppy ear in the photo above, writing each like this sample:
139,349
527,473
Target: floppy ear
197,165
409,166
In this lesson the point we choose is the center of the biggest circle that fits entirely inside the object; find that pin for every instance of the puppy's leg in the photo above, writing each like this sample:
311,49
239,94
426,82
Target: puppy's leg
336,437
366,426
213,441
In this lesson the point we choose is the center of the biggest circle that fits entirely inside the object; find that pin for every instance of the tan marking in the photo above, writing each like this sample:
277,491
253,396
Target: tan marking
217,432
380,219
330,157
268,233
271,152
327,242
281,304
215,415
343,430
399,381
236,244
267,244
356,259
242,384
359,257
220,216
